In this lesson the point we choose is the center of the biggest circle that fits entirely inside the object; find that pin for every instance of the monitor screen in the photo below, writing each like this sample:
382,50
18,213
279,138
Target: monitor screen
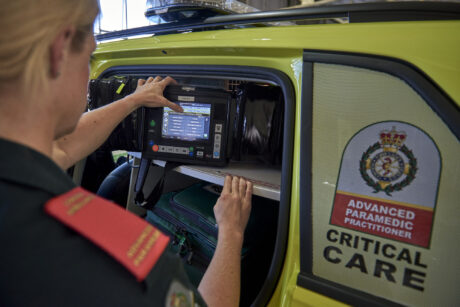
191,125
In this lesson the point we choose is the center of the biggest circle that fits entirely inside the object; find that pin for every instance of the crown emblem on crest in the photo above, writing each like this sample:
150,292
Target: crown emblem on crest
388,165
392,140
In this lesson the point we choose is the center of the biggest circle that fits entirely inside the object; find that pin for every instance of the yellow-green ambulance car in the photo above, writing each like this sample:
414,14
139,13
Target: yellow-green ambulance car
345,117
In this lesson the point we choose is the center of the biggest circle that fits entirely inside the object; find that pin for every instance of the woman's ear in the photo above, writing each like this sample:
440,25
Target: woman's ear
59,50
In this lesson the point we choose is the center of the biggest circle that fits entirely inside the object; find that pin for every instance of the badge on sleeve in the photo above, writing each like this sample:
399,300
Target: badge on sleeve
179,296
136,244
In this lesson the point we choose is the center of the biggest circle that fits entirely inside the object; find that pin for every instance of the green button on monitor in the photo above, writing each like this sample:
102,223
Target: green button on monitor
152,123
191,148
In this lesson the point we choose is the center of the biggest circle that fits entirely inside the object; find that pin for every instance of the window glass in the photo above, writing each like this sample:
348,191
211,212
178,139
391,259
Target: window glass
385,202
120,15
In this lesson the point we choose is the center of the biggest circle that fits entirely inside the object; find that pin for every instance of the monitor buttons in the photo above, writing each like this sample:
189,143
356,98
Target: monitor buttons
199,154
169,149
162,148
181,150
218,128
155,148
217,139
217,142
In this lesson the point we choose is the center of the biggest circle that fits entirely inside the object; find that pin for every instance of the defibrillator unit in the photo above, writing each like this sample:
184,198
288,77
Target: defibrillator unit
198,135
218,123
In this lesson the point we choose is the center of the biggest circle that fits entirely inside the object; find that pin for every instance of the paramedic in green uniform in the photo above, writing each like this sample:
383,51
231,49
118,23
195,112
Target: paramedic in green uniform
45,48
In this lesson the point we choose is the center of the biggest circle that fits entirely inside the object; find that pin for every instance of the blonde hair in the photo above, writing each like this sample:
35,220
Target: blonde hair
27,29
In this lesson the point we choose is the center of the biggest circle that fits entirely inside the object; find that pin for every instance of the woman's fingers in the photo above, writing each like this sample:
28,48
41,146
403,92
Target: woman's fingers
140,82
242,187
248,195
227,185
235,185
168,80
172,105
165,82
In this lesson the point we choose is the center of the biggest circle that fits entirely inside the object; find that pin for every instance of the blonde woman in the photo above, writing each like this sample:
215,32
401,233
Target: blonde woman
54,258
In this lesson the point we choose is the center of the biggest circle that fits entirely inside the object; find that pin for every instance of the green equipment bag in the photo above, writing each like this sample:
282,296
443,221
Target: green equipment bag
187,217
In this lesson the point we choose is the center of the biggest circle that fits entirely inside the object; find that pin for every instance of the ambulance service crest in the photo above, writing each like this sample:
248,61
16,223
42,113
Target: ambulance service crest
388,165
179,296
387,183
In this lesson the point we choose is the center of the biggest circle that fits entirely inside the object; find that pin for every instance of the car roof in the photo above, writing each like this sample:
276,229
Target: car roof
352,13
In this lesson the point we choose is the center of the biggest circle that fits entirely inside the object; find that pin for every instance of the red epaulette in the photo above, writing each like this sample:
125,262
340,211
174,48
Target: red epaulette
126,237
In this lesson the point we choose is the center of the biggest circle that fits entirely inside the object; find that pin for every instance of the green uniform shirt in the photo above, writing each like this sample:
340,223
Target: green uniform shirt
44,263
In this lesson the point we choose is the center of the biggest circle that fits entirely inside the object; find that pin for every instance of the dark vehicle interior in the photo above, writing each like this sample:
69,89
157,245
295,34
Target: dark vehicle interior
230,125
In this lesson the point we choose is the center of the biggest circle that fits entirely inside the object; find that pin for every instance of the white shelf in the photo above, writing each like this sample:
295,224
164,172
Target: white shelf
266,181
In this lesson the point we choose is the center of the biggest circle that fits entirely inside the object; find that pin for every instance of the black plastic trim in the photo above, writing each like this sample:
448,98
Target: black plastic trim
382,11
246,72
306,131
433,95
363,12
209,10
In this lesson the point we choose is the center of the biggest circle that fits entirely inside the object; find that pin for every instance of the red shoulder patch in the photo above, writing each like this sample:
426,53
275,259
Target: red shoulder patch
125,236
